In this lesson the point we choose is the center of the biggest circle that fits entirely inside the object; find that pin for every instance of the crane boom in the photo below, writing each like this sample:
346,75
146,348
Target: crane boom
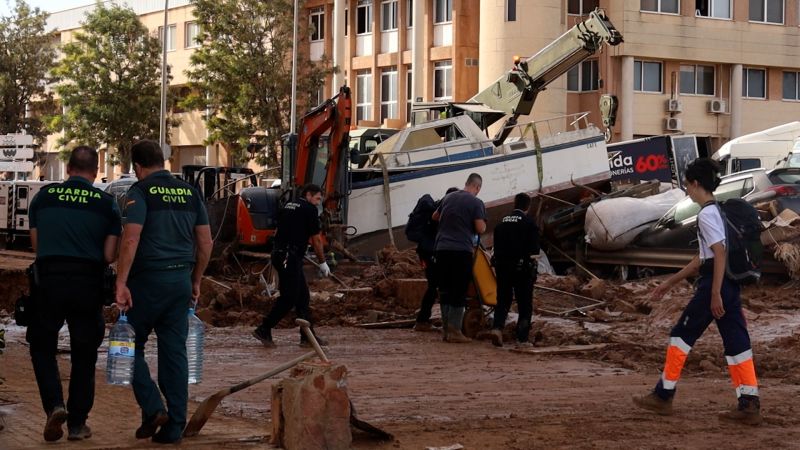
515,92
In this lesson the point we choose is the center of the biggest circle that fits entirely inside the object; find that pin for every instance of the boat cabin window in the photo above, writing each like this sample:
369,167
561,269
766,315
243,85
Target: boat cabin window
449,132
429,137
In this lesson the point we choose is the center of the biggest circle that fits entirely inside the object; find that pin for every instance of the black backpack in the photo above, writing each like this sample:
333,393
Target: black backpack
743,240
418,226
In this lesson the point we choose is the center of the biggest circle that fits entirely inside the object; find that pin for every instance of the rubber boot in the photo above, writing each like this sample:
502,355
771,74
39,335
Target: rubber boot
445,321
454,335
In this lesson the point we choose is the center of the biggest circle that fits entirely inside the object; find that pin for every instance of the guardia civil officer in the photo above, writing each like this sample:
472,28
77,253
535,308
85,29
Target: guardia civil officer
166,244
516,244
74,231
298,222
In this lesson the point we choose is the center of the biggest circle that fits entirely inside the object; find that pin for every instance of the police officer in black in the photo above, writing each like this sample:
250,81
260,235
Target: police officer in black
165,248
297,222
74,231
516,244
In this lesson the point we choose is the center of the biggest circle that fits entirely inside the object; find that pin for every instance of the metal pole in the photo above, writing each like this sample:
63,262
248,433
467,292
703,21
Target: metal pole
292,123
162,129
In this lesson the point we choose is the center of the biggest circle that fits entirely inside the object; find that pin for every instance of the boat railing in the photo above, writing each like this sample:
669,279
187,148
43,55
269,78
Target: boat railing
550,127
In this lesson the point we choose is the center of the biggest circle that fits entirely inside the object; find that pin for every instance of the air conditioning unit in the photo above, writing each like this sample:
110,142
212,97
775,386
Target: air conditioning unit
716,106
673,124
674,105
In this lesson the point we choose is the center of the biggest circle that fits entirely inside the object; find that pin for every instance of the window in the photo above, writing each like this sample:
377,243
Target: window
511,10
754,83
364,17
583,77
389,93
443,81
363,95
409,92
443,11
389,15
721,9
317,19
660,6
318,96
346,21
191,32
697,80
172,31
769,11
647,76
790,91
581,7
409,13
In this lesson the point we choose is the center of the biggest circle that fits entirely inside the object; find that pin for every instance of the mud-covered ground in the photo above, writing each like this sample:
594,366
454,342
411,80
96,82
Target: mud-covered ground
428,393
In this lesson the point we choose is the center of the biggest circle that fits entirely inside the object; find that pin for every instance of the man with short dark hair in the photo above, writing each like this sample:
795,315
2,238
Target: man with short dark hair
462,218
166,245
74,232
516,244
425,251
298,222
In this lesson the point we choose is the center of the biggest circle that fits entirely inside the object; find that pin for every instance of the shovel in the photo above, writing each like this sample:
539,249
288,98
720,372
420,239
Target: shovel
204,411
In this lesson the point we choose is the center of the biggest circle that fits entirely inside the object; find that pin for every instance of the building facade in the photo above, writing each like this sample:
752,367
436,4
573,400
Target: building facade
714,68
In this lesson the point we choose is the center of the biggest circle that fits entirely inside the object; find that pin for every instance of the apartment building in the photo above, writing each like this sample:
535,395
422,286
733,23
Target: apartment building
187,139
392,52
372,41
714,68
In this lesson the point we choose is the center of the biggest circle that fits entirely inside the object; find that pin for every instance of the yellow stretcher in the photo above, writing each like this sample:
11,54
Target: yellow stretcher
482,291
483,278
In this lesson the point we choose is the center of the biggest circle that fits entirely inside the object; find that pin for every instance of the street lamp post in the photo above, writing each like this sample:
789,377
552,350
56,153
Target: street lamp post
162,128
292,123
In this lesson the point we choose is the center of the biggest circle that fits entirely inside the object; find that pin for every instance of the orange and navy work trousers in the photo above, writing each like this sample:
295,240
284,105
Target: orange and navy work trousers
733,329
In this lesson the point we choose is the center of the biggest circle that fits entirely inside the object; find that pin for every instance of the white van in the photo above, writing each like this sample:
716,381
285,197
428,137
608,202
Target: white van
768,149
15,199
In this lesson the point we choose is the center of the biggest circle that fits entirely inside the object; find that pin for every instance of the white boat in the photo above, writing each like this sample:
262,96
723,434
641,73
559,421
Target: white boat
546,157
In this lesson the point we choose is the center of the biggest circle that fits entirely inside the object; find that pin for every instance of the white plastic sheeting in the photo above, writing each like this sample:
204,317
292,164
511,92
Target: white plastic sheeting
614,223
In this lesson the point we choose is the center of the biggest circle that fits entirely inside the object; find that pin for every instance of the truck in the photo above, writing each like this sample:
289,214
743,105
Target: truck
15,200
769,149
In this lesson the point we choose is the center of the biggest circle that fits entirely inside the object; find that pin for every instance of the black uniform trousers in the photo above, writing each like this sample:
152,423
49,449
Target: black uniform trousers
455,272
293,288
161,300
515,280
72,292
429,298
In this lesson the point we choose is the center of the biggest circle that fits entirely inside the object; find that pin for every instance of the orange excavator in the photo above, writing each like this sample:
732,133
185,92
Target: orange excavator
317,154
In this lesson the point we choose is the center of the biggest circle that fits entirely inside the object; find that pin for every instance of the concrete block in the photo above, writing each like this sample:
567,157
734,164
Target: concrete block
409,291
311,409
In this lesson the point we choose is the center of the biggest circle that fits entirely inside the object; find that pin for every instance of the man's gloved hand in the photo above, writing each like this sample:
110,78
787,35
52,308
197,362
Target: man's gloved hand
324,270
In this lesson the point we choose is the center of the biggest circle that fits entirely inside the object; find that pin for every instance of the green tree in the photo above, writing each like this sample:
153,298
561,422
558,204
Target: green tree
242,73
26,56
109,83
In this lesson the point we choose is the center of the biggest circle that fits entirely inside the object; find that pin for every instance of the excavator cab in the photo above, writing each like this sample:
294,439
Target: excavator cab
257,215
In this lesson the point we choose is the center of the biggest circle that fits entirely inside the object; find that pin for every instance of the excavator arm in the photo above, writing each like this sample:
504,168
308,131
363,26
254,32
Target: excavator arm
515,92
310,153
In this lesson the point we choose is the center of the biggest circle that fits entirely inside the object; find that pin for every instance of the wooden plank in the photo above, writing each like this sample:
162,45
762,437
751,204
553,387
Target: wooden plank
559,349
407,323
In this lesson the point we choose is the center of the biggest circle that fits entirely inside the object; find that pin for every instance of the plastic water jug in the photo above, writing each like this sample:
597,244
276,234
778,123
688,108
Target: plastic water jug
121,351
194,347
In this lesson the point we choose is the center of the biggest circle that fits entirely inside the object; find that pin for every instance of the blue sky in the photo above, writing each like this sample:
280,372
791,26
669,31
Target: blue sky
47,5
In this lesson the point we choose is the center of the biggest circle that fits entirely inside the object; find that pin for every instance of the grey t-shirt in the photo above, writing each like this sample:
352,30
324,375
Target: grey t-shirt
458,213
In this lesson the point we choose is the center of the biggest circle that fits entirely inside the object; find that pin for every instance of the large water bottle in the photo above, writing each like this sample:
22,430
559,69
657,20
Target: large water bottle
194,347
121,350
